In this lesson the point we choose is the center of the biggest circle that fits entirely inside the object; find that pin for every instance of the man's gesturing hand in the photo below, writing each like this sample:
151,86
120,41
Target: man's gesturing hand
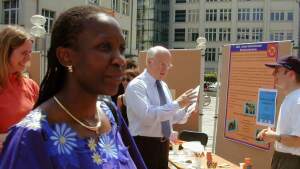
187,98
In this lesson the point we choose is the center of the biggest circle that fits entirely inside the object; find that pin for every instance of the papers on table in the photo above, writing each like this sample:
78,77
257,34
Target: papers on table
194,146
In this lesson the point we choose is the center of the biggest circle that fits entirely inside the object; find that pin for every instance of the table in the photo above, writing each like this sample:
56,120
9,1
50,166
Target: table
181,160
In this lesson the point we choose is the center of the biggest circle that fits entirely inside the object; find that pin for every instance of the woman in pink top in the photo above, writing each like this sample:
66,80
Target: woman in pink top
17,93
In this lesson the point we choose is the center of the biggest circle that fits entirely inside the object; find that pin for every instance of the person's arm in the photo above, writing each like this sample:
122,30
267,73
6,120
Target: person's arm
270,136
33,87
138,104
119,101
181,116
1,146
291,141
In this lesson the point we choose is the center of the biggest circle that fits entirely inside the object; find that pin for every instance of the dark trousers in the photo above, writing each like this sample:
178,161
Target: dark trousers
285,161
154,150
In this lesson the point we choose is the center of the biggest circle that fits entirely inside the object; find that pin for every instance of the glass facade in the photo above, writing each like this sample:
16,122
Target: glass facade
152,23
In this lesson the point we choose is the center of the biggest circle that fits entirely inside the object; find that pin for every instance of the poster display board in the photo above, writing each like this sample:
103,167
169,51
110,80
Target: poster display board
247,73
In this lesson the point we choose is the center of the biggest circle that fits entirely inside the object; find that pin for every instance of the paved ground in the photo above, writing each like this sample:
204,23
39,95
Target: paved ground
208,122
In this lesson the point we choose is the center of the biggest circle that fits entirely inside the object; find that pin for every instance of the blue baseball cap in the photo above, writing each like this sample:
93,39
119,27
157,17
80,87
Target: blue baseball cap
290,62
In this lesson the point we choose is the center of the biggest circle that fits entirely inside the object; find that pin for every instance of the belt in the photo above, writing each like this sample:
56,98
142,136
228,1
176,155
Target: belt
161,139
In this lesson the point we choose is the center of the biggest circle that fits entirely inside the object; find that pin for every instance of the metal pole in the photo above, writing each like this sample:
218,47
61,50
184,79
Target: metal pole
217,103
201,44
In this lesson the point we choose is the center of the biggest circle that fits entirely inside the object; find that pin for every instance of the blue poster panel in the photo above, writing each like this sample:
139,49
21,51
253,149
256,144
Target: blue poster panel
266,107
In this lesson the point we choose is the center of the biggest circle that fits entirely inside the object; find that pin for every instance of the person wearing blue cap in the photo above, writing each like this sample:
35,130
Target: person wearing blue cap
286,138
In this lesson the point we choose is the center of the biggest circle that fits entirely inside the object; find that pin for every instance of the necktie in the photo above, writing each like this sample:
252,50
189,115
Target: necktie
165,125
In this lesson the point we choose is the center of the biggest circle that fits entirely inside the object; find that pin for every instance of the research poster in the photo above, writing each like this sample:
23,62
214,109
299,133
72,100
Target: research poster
247,74
266,107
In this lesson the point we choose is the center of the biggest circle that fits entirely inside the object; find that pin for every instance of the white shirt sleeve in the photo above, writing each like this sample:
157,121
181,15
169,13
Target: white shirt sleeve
139,105
295,119
181,116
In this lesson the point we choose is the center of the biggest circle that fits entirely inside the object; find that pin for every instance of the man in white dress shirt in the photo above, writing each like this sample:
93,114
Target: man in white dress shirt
151,110
287,135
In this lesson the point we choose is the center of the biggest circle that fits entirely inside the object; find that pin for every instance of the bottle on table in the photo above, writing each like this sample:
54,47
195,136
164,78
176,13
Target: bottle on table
248,163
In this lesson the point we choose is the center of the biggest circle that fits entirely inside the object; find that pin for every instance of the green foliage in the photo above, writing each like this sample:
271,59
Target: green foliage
210,77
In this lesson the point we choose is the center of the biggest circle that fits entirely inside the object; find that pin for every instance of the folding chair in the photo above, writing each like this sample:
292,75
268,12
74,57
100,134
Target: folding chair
187,135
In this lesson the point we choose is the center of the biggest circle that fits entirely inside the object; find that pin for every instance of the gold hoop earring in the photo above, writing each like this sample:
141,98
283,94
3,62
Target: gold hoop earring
70,68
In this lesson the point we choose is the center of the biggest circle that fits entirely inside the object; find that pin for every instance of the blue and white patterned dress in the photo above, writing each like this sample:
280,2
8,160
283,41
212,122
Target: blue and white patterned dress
36,144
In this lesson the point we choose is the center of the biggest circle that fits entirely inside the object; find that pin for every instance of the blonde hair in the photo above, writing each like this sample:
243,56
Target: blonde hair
11,37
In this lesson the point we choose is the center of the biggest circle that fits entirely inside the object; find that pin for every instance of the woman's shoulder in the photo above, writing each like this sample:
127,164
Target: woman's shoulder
31,86
103,105
29,82
33,120
25,144
27,130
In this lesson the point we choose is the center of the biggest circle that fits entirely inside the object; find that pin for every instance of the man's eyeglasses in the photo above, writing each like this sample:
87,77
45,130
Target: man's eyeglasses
168,66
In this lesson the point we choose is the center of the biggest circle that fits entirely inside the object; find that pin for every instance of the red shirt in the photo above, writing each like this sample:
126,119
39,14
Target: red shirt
16,100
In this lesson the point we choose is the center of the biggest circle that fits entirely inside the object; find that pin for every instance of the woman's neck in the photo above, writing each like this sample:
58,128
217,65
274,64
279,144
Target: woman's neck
79,103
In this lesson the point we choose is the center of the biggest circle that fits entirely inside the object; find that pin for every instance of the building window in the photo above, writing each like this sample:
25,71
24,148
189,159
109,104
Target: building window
165,2
290,16
193,1
257,34
165,16
225,14
277,16
164,35
277,36
218,0
258,14
11,11
116,5
180,16
211,14
289,35
180,1
49,15
224,34
179,34
210,55
125,7
193,16
211,34
244,14
94,2
243,34
193,34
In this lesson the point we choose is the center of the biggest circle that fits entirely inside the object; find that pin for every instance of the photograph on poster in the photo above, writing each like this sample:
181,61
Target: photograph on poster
232,125
266,107
250,108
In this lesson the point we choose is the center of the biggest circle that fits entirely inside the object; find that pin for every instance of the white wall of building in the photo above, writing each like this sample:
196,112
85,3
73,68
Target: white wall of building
272,30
